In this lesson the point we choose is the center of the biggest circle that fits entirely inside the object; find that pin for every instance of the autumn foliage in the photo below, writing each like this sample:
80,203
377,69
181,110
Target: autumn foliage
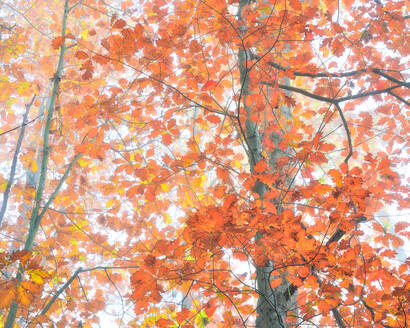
214,163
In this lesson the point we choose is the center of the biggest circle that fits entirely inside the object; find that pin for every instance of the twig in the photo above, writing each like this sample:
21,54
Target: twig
19,126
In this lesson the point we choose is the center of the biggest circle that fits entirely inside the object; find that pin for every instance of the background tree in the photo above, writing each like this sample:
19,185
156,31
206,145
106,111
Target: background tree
236,152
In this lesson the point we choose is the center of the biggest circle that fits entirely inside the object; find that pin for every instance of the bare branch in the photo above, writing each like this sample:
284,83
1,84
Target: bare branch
14,161
19,126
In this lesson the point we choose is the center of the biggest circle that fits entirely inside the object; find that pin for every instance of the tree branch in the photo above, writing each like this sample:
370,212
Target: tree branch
377,71
34,221
371,93
6,193
338,318
19,126
60,184
349,138
76,273
34,224
335,100
398,97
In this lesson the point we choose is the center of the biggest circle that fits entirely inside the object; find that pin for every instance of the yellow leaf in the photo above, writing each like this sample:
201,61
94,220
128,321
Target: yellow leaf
82,163
38,275
265,10
33,166
84,34
3,186
164,187
167,218
23,296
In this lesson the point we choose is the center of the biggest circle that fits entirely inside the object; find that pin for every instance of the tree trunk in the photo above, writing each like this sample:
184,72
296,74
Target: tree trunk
37,213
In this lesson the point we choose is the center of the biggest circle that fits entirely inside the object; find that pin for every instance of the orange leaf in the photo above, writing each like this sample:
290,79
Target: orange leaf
57,42
7,294
260,167
81,55
209,85
344,168
166,139
399,226
275,282
119,23
324,307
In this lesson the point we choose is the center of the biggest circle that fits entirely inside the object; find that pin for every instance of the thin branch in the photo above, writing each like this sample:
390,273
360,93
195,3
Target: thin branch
6,193
75,5
321,74
339,233
349,138
335,100
371,93
34,223
25,18
83,290
60,184
76,273
19,126
398,97
377,71
119,294
303,92
390,78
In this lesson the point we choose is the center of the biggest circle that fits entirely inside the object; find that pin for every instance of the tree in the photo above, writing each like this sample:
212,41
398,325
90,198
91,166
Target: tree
233,154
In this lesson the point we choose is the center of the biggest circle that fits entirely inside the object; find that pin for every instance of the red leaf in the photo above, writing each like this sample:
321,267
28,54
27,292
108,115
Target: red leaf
399,226
260,167
57,42
213,118
166,139
209,85
344,168
81,55
120,23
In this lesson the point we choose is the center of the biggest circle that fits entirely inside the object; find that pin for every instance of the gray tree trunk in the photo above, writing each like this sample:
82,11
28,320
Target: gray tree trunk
273,304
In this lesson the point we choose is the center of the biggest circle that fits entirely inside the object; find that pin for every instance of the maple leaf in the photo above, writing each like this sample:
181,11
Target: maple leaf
57,42
81,55
209,85
7,294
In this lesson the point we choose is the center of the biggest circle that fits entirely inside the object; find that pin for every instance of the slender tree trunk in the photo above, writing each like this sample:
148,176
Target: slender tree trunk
273,303
36,213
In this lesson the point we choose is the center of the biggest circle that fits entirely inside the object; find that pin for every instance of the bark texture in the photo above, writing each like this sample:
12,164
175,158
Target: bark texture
273,304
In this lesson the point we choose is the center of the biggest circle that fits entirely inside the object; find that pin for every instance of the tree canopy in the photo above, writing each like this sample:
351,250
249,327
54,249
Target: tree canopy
204,163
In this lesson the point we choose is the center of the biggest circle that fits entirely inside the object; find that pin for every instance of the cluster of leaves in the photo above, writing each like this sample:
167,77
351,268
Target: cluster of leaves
161,120
25,291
